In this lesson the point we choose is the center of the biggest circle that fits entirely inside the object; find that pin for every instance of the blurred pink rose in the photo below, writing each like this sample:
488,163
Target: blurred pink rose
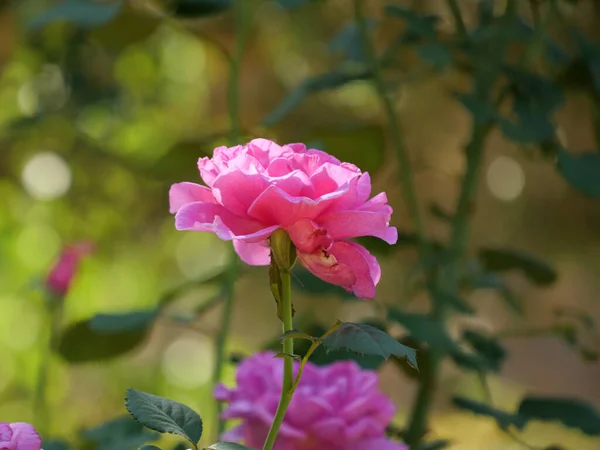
59,278
321,202
335,407
19,436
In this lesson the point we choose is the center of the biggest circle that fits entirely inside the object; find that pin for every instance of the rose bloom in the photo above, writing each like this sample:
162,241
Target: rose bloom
319,201
335,407
19,436
59,279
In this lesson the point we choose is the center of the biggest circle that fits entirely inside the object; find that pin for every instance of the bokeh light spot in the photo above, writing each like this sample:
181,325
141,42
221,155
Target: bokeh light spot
505,178
46,176
188,361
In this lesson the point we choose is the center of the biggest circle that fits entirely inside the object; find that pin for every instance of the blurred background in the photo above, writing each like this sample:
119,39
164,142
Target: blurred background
102,111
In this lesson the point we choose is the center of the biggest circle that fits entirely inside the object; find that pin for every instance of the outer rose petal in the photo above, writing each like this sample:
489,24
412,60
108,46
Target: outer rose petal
350,224
25,437
214,218
347,264
5,435
181,194
253,253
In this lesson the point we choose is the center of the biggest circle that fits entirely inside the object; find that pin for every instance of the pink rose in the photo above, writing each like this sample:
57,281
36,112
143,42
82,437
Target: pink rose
19,436
319,201
60,276
335,407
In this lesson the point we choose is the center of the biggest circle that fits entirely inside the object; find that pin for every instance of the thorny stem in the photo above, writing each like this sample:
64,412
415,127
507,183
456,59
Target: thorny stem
287,387
232,267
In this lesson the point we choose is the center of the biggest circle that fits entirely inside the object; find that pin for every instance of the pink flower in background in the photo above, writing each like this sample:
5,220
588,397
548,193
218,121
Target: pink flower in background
59,278
321,202
19,436
335,407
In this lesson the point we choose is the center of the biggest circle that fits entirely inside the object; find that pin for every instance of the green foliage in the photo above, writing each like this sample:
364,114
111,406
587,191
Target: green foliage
368,340
119,323
122,433
424,328
490,351
149,447
500,260
503,418
582,171
164,415
81,343
200,8
435,445
570,412
82,13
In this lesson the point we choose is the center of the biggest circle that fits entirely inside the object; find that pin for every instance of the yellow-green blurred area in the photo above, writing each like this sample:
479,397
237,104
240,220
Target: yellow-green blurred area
97,122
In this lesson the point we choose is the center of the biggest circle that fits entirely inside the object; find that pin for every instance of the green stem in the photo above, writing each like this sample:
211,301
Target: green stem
40,404
287,387
459,23
406,176
232,268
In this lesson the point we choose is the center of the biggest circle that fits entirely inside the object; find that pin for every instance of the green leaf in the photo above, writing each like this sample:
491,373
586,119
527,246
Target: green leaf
295,334
488,348
200,8
180,446
55,445
116,323
79,343
481,111
122,433
535,99
499,260
435,54
149,447
227,446
426,329
493,281
349,43
503,418
572,413
454,301
581,171
83,13
368,340
330,80
323,356
164,415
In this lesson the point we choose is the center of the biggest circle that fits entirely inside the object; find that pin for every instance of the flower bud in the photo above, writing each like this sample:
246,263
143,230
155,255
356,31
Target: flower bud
283,250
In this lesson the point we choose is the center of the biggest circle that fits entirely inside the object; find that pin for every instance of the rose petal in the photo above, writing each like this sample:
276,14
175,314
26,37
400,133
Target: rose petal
5,435
351,224
237,189
346,264
274,206
25,437
308,237
253,253
181,194
214,218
